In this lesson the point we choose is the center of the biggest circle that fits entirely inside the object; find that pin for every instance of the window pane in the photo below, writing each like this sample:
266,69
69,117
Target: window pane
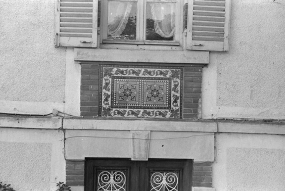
111,180
160,21
122,20
164,181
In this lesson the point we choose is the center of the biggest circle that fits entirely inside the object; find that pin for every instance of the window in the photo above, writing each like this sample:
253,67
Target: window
140,21
127,175
144,22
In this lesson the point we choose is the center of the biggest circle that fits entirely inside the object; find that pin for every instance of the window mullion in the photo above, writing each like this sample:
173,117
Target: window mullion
104,19
140,20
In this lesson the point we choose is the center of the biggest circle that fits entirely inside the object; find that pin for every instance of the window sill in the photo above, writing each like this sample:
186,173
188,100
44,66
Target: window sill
141,55
163,43
133,46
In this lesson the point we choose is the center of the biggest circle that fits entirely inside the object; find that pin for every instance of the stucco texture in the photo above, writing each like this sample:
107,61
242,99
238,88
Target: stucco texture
255,169
251,74
31,68
26,166
249,162
31,160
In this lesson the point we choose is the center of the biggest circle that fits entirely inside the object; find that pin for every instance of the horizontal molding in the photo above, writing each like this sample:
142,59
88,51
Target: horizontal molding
140,125
251,128
31,122
29,107
209,126
168,56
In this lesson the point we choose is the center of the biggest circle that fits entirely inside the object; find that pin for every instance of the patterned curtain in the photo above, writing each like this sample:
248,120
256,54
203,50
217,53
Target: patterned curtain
118,15
164,18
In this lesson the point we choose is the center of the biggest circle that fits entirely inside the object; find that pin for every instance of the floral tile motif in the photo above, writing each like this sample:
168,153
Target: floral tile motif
141,92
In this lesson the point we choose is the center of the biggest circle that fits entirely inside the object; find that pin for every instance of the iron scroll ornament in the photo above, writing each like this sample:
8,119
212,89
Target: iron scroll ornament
164,181
111,181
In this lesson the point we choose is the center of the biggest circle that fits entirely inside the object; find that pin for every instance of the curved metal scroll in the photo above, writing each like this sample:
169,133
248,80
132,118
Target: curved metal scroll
111,181
164,181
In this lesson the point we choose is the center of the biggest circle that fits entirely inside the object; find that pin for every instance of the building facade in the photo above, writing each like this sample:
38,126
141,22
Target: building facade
137,89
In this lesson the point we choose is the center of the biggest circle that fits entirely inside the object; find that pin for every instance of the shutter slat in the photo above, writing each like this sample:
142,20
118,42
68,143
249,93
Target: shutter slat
76,20
210,29
75,35
75,4
208,22
204,8
208,39
74,30
209,3
76,1
77,23
209,13
75,15
214,24
214,0
78,10
214,19
211,34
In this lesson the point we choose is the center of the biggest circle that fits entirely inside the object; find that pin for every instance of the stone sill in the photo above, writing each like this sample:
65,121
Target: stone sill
140,125
142,56
207,126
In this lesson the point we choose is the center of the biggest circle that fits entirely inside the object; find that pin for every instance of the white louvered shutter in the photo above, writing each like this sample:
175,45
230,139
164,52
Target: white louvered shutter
76,23
208,25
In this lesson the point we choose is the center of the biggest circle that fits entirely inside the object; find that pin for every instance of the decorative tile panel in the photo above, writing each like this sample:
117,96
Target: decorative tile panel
141,92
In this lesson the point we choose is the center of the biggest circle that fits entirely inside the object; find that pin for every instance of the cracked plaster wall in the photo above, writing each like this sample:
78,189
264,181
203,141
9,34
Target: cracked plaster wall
31,159
31,69
250,77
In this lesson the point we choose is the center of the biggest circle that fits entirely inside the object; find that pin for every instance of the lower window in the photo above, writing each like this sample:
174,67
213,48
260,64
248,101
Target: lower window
126,175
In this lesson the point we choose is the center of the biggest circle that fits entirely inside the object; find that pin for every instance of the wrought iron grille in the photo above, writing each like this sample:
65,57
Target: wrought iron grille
111,180
164,181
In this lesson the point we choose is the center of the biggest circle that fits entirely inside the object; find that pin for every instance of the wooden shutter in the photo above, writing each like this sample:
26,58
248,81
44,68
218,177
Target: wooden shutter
208,25
76,23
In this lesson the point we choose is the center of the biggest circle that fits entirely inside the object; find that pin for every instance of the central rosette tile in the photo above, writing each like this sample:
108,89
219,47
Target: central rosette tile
143,93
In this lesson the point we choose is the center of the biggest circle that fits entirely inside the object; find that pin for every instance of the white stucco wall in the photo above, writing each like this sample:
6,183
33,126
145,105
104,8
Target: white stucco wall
249,162
31,159
31,68
248,81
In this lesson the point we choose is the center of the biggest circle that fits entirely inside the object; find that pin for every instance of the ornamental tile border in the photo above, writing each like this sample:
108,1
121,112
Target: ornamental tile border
140,92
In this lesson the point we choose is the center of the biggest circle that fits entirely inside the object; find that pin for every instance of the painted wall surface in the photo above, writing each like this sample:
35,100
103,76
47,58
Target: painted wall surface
31,68
31,159
249,162
248,81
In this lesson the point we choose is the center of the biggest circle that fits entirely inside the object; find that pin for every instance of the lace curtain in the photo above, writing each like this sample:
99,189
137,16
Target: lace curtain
118,17
164,18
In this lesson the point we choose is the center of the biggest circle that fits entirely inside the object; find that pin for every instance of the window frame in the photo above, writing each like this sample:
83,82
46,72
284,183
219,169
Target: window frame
141,25
139,171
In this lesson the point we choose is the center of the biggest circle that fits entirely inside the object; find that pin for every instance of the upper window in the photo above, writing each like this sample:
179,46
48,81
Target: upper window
140,21
144,22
